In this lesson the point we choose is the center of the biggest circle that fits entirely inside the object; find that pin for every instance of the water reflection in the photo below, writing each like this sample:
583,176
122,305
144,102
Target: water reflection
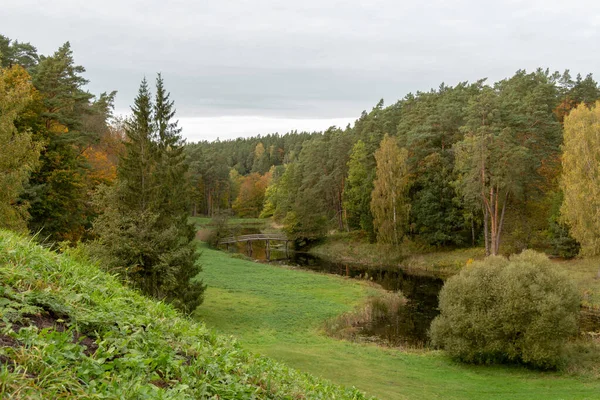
412,321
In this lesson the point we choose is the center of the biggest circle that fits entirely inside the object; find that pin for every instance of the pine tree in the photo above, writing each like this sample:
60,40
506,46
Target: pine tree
14,53
490,165
58,189
143,231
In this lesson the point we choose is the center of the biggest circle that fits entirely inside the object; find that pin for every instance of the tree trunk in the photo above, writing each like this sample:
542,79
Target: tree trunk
485,231
472,230
340,211
394,208
501,222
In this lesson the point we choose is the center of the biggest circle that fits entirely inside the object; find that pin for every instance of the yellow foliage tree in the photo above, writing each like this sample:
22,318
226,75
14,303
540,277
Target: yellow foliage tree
581,176
251,197
389,203
18,153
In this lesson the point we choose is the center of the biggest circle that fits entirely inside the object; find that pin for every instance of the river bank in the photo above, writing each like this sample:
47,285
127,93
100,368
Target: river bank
281,312
354,248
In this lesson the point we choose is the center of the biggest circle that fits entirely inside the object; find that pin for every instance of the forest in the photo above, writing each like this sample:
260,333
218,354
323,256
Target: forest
465,165
471,164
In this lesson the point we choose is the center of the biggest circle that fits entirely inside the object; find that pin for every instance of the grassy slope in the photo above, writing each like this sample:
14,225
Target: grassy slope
278,312
69,330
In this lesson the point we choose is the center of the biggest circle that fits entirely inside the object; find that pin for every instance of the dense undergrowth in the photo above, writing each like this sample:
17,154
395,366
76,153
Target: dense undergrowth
70,330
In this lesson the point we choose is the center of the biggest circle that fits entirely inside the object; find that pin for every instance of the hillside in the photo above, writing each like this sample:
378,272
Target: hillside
70,330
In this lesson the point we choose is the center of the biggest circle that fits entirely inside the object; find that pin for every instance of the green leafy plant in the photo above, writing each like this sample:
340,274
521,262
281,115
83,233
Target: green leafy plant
521,309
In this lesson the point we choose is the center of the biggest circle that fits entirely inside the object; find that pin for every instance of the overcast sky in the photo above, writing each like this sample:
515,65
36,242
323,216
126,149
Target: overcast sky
240,68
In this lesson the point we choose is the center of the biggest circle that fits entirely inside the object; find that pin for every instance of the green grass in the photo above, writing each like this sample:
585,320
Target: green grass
70,330
279,312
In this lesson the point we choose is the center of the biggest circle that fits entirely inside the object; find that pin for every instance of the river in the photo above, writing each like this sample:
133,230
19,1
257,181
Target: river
408,327
411,324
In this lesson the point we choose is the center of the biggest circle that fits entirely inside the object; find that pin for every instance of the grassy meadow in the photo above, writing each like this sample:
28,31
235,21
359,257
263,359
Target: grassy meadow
279,312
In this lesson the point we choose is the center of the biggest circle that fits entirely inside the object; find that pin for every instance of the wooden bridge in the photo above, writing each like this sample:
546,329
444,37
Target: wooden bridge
267,237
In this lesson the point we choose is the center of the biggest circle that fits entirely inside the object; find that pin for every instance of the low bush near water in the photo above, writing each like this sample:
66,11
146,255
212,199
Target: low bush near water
521,309
349,325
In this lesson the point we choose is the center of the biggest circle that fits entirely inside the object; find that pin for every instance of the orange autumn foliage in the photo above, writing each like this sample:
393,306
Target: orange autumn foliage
104,156
251,197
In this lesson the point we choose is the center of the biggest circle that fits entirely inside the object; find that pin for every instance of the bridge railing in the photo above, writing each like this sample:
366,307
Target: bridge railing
250,238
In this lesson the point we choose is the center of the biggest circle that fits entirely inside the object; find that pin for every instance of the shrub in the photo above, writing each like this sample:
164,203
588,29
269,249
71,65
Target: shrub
500,310
219,228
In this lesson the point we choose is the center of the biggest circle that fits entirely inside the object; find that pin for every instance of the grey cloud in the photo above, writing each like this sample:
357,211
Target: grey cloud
309,59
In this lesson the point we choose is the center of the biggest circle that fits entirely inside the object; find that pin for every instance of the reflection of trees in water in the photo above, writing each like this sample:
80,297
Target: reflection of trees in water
412,321
409,325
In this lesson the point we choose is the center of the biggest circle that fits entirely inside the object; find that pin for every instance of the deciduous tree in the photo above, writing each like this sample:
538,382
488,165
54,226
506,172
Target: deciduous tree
359,186
18,152
389,198
581,176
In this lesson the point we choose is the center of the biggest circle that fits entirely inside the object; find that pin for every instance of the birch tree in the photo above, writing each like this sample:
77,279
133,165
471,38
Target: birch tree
389,203
581,176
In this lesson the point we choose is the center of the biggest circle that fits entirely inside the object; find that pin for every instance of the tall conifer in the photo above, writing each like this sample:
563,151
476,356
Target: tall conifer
143,231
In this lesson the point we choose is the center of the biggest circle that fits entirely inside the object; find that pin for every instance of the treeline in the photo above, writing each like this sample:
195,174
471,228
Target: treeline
219,169
70,172
462,165
471,164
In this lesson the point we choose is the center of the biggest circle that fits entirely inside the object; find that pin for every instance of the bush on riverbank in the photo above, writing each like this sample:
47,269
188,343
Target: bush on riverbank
521,309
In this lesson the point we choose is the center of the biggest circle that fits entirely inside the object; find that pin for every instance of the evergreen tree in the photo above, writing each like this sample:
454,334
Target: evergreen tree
491,165
143,231
58,189
16,53
436,215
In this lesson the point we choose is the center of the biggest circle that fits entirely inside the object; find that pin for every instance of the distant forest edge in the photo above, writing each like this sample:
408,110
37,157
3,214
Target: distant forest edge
471,164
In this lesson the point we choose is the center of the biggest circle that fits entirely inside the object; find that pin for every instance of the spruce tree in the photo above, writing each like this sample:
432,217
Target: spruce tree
143,231
173,200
